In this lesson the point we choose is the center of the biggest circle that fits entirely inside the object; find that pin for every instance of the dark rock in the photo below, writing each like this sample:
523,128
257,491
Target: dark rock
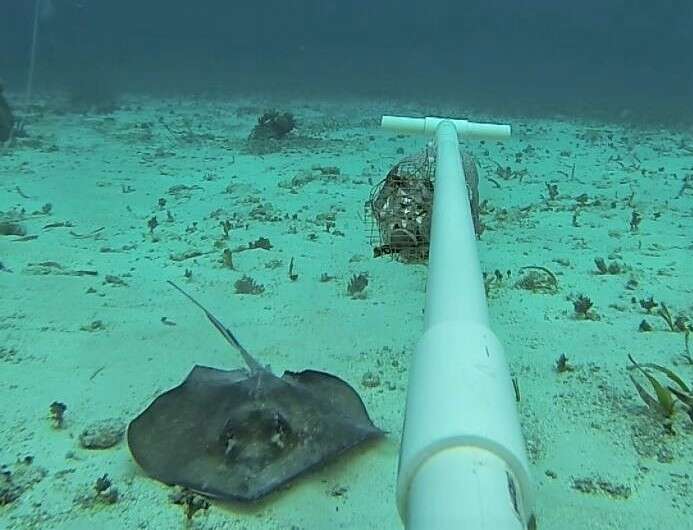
102,434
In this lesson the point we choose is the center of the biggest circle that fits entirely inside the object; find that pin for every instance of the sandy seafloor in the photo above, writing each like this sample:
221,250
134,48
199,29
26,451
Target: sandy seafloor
600,458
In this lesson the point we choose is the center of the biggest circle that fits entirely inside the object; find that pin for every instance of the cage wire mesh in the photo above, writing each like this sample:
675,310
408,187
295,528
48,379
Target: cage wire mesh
398,211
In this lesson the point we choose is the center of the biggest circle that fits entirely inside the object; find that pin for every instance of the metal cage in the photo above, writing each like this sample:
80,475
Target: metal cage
398,211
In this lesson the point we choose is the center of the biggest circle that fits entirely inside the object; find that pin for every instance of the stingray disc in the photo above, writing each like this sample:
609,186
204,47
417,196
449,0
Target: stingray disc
234,437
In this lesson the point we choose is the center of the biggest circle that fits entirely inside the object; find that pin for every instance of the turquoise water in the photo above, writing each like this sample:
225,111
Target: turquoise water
118,176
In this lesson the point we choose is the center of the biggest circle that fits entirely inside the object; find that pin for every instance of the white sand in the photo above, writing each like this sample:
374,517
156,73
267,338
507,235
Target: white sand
107,171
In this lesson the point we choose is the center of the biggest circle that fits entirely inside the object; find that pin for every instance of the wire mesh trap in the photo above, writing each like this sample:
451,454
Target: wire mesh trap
398,212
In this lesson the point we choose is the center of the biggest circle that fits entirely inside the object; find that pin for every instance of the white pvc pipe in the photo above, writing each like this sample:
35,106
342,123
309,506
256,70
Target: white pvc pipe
462,461
429,125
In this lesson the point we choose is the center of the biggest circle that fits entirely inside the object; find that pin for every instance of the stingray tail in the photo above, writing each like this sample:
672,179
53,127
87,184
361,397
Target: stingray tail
253,365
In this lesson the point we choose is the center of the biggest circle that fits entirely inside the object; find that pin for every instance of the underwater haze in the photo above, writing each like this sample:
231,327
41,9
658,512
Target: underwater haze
619,58
213,260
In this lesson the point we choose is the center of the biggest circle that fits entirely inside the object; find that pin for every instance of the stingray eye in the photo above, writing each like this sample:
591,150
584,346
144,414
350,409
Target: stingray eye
281,426
227,432
282,434
228,440
230,446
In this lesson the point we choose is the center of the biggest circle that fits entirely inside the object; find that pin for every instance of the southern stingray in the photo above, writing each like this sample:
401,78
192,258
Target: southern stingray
241,434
